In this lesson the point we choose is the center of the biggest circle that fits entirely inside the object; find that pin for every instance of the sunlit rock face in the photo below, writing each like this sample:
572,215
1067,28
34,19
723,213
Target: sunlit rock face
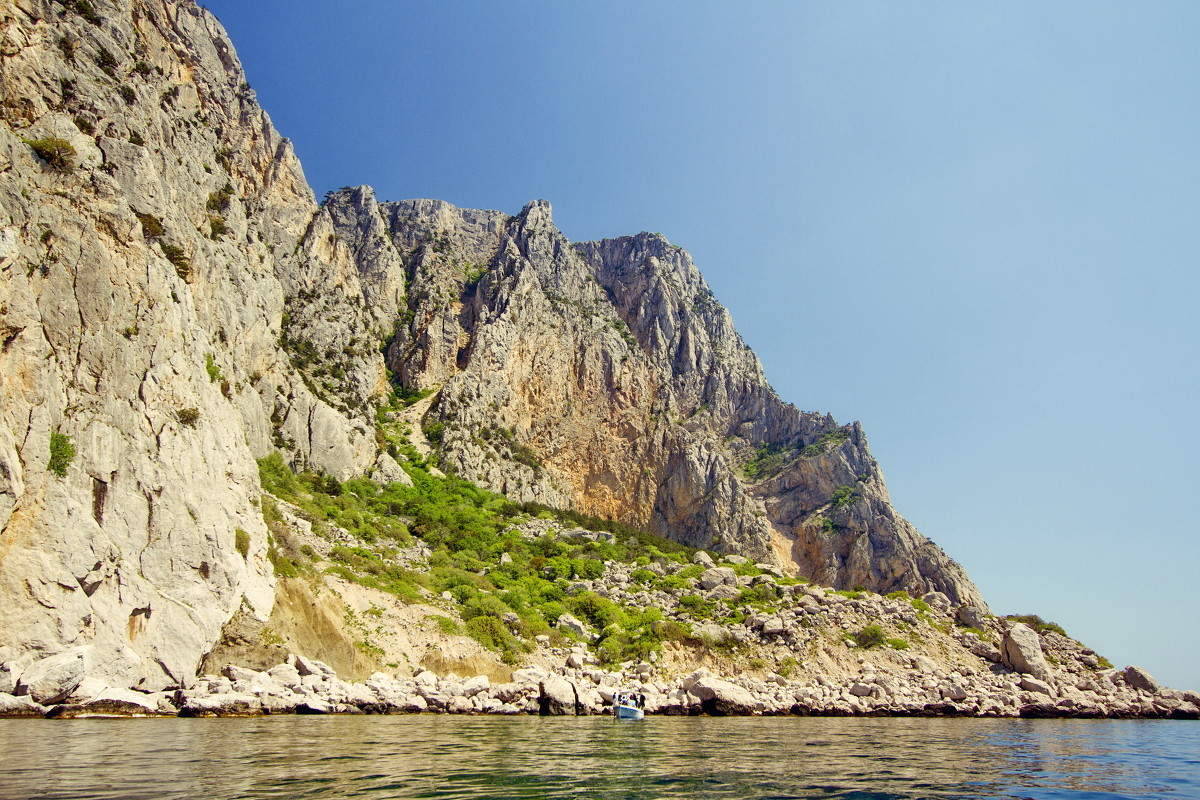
605,376
175,303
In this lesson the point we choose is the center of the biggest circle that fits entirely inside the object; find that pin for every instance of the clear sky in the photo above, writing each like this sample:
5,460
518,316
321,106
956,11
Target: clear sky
971,226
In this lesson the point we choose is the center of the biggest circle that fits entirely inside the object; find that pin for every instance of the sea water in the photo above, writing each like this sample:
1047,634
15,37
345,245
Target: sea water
597,757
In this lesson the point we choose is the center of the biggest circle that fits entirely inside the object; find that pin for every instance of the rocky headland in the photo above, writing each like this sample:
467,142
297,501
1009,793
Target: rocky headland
263,454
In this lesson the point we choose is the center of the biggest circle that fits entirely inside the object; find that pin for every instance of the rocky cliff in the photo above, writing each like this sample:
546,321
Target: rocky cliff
606,377
175,304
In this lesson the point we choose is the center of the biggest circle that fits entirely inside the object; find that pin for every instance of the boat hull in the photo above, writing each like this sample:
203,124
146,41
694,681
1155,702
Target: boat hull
628,712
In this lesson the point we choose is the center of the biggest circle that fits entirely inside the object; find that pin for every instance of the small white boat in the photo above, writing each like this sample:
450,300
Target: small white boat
625,706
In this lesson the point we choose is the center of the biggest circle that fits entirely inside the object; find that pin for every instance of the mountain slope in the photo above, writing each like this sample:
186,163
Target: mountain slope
606,377
175,304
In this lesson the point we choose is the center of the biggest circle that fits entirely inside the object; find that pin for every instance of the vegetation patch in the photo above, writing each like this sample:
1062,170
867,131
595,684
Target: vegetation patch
843,496
241,542
175,254
62,453
1037,623
58,153
508,588
152,227
767,460
824,442
869,636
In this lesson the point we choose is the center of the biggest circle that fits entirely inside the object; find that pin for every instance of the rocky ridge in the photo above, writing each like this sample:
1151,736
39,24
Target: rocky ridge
605,377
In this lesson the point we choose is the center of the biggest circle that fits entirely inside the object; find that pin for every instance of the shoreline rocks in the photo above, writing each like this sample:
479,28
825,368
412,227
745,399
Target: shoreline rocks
305,686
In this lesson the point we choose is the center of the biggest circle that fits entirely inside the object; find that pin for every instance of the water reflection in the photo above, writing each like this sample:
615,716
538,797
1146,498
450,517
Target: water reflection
459,757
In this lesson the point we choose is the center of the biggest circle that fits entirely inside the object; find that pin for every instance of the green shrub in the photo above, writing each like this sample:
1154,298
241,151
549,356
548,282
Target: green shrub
284,565
219,200
824,442
241,542
127,94
599,611
643,576
66,46
58,153
670,583
62,453
1037,623
446,625
84,9
870,636
107,62
434,432
896,644
492,634
188,416
210,366
175,254
843,496
152,226
767,460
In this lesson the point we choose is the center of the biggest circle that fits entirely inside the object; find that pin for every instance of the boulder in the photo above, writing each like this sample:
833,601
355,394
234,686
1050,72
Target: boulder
711,632
702,558
315,705
53,679
11,706
310,666
718,576
229,704
573,625
285,674
953,692
1034,685
236,673
116,703
1021,650
387,470
725,592
532,675
937,601
558,697
475,685
972,616
723,698
1139,678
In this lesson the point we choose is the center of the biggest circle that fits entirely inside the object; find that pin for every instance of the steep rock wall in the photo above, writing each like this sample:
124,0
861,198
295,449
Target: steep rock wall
140,304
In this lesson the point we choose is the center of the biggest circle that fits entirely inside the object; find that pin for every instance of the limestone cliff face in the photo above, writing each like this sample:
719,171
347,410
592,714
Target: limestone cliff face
174,303
606,377
143,286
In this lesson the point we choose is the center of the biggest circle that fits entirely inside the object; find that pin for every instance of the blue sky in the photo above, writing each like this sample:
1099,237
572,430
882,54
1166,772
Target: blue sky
970,226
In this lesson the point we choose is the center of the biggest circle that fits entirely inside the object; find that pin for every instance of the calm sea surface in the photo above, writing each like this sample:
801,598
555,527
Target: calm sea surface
595,757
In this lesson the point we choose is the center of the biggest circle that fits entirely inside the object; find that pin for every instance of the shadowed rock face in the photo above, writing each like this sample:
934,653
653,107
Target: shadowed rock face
606,377
176,304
